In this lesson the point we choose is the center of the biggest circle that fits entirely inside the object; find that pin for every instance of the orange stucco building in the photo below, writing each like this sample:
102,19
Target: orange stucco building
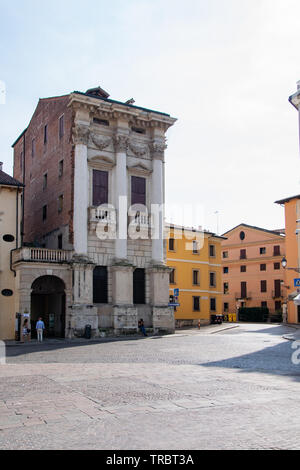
292,230
252,274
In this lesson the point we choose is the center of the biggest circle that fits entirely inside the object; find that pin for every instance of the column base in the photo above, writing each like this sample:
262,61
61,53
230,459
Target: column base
125,319
163,320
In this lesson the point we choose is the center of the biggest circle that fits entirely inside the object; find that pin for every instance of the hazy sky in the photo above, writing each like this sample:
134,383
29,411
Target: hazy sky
224,68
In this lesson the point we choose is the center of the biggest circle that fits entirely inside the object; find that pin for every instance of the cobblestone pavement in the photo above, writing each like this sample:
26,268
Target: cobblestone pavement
215,388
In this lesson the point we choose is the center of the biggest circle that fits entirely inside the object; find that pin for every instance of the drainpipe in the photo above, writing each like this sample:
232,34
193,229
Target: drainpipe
17,232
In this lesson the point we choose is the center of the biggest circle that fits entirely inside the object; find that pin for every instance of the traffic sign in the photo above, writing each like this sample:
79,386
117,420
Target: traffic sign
176,292
297,282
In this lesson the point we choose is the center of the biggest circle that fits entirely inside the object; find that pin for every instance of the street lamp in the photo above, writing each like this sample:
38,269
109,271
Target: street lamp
296,299
284,265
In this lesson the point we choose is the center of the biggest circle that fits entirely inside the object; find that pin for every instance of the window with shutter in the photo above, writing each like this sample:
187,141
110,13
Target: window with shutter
276,250
138,190
277,286
243,290
263,286
100,187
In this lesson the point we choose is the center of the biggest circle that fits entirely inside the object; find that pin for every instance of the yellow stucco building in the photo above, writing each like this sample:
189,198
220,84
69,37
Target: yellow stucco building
10,218
195,259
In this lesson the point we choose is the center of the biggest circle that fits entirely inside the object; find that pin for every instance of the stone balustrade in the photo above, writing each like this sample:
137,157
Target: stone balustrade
43,255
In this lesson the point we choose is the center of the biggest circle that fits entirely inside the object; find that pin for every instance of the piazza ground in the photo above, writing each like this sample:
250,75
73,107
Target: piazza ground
217,388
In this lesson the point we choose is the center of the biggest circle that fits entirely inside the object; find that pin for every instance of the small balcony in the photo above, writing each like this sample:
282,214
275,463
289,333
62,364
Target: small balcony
41,255
102,218
139,225
243,296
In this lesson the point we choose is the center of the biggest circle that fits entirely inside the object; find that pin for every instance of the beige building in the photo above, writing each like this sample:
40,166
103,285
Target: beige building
10,239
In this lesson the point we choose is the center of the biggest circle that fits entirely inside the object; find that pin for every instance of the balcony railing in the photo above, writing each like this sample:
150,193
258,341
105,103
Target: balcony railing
42,255
245,296
100,214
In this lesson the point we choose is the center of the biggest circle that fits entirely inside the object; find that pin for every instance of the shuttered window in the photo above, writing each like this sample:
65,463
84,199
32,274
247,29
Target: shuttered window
243,290
100,295
139,286
138,190
277,286
276,250
100,187
263,286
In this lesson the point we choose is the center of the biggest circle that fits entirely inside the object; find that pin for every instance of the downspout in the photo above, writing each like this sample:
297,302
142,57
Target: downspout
17,232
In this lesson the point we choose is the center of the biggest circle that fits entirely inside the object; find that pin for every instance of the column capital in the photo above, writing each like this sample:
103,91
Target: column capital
121,143
158,148
81,134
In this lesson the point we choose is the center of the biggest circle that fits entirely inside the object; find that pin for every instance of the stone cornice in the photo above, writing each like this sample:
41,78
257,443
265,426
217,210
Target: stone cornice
116,110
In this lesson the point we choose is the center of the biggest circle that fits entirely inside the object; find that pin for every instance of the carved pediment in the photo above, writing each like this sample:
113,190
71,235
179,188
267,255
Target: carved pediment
139,169
101,161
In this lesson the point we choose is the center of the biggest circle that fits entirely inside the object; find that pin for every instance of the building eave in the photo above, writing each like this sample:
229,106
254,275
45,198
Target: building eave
288,199
113,106
295,100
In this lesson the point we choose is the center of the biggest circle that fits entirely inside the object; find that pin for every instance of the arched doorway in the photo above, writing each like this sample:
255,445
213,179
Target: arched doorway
48,300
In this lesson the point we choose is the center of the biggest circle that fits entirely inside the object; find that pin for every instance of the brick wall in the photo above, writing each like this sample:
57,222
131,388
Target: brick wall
45,160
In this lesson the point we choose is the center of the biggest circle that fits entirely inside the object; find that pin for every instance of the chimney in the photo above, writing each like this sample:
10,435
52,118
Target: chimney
1,164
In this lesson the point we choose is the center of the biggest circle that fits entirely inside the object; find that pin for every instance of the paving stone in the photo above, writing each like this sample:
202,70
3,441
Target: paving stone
239,386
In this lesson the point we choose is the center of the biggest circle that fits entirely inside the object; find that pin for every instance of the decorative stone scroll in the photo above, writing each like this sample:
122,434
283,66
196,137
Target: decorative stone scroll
158,149
121,143
100,142
81,134
137,148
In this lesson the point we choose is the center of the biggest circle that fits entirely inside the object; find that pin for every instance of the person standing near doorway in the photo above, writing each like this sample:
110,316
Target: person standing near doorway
26,331
40,326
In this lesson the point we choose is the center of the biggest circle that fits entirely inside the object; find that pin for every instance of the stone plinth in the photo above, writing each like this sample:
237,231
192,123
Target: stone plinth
163,320
125,319
159,285
122,281
83,315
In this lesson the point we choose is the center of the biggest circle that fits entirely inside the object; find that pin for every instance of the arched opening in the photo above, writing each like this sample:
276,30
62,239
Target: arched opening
48,300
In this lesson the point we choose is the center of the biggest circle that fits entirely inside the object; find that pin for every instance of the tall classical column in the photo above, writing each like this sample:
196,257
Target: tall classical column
162,315
157,201
81,192
121,192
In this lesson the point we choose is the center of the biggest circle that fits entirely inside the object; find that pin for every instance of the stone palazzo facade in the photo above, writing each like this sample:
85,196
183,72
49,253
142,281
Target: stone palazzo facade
93,251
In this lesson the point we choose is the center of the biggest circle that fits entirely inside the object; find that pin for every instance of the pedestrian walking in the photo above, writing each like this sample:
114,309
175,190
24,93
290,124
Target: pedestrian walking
26,330
40,326
142,327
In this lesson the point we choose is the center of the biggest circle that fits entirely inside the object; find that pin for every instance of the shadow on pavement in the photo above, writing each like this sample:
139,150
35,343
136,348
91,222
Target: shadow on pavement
14,350
276,359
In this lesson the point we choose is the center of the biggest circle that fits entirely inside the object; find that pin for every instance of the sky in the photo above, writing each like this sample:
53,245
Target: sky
223,68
